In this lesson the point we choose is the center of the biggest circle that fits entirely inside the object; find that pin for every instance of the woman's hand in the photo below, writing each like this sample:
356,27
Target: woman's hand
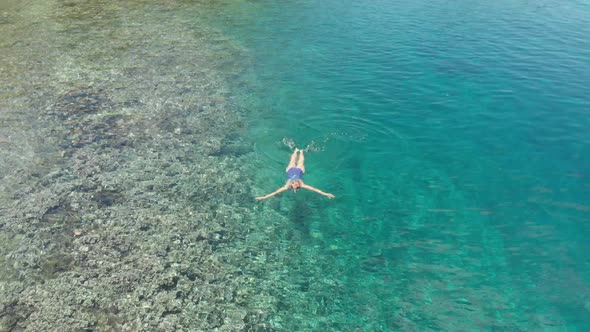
330,196
261,198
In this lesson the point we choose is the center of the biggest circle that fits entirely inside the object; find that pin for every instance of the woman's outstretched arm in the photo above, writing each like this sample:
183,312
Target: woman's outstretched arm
280,190
308,187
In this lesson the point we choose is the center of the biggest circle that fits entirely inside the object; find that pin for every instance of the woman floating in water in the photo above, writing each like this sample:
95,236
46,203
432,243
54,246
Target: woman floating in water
295,171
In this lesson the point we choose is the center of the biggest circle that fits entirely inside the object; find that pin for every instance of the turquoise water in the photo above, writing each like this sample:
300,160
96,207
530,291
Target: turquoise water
455,136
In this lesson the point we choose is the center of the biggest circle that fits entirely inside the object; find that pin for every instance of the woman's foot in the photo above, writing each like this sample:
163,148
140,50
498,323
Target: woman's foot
296,150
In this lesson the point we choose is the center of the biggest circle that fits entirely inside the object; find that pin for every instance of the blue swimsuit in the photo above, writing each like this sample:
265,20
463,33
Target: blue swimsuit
294,174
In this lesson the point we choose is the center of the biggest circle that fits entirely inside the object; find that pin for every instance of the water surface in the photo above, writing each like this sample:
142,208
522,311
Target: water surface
134,137
455,137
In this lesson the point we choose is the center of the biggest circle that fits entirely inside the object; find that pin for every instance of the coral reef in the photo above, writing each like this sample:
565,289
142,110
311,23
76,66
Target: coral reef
120,209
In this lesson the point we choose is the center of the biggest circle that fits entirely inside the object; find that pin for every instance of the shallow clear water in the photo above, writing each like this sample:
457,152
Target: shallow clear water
455,136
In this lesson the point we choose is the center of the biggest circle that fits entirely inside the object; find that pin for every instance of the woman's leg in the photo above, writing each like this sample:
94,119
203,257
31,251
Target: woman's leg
301,161
293,161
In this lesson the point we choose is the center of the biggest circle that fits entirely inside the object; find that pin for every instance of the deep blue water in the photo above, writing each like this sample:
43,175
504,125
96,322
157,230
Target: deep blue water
456,138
